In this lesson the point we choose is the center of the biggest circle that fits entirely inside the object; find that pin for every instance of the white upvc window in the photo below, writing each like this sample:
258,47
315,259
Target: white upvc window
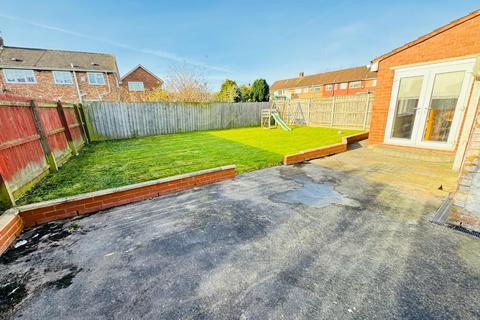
329,87
305,90
374,82
316,89
343,85
19,76
62,77
279,92
298,90
355,84
96,78
136,86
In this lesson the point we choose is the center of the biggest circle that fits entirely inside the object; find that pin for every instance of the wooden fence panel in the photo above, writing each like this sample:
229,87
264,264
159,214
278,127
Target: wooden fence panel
120,120
352,112
23,160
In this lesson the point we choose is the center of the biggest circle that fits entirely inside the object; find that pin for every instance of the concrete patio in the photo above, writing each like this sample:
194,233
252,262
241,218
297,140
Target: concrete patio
344,237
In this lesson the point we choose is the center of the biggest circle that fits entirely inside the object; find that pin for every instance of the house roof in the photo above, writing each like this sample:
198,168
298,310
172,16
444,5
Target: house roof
344,75
432,34
141,67
47,59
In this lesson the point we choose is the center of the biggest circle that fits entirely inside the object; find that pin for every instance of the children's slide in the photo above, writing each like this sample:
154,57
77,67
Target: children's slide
280,122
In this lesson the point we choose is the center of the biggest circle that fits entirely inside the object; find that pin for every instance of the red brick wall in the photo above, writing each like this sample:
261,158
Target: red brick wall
46,89
10,227
150,83
324,151
461,40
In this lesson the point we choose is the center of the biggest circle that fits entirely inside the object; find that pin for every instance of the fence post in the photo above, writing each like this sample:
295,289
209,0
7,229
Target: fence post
80,114
68,133
6,197
333,111
366,112
52,163
81,123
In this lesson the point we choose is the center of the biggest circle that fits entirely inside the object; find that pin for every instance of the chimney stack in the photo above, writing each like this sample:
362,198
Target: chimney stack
301,74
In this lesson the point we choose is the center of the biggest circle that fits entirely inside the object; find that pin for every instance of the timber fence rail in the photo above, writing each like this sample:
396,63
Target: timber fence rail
36,137
352,112
121,120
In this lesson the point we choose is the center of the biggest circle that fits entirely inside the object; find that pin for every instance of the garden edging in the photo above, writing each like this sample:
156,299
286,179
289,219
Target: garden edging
324,151
14,220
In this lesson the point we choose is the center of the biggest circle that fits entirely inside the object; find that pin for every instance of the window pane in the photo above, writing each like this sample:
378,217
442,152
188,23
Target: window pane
62,77
96,78
446,90
19,76
135,86
406,106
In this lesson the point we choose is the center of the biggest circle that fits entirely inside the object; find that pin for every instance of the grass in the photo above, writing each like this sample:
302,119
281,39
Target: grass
109,164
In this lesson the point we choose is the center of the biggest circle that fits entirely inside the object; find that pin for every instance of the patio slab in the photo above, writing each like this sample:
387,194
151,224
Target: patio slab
316,241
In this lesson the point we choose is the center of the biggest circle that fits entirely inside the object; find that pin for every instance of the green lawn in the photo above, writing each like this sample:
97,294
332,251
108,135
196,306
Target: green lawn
110,164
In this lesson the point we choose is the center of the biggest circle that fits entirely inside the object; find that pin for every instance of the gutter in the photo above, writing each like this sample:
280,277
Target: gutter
79,93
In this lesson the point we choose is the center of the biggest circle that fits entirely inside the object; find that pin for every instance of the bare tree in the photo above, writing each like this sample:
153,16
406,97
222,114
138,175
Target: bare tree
186,84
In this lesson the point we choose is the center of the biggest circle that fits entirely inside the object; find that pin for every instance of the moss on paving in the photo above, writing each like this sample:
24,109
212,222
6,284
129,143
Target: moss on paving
109,164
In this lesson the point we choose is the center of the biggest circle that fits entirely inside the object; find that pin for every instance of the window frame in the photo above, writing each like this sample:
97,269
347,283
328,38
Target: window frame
329,87
6,70
136,82
57,72
352,83
343,86
95,83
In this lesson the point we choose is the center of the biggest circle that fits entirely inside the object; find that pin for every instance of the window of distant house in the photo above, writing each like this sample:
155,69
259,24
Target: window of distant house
329,87
96,78
343,85
279,92
19,76
305,90
316,89
374,82
135,86
62,77
356,84
298,90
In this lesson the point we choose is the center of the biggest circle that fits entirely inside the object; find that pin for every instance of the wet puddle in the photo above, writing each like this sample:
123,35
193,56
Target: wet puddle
313,194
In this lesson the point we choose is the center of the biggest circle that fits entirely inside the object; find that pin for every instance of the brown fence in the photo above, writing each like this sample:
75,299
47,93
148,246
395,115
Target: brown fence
351,112
35,137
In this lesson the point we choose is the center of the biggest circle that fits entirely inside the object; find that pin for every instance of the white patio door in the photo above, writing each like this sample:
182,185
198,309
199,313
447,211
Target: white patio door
428,104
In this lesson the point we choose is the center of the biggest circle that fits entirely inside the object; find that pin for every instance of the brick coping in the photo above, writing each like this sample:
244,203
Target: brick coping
15,220
103,192
310,154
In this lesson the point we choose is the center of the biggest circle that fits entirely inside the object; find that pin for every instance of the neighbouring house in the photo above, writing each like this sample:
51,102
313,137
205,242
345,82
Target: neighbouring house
69,76
138,83
427,97
334,83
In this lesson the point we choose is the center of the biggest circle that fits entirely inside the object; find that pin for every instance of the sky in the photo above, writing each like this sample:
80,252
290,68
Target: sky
238,40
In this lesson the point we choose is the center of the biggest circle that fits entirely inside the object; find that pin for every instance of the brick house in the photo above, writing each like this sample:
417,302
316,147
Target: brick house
427,97
138,83
334,83
69,76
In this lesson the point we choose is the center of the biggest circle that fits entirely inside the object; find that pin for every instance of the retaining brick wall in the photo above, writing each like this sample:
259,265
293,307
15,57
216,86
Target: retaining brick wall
11,225
324,151
14,220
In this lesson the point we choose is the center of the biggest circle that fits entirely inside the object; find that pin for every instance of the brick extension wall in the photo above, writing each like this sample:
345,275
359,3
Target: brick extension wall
459,41
465,209
14,220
